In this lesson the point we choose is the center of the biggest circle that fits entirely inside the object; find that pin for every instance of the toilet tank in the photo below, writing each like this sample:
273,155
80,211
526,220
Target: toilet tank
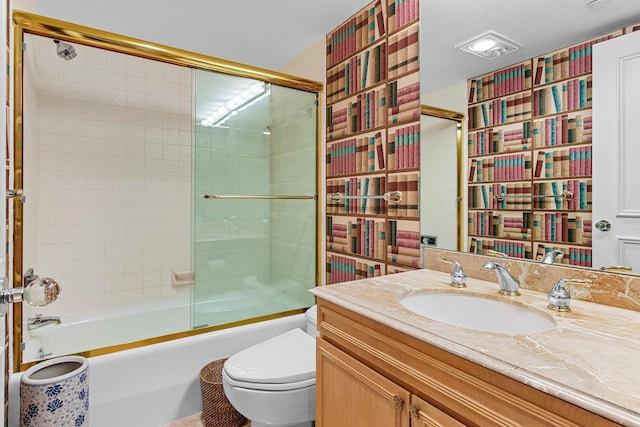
312,321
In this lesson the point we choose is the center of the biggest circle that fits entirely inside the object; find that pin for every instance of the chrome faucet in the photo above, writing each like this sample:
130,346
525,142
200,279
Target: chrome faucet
508,285
40,321
550,256
559,297
458,276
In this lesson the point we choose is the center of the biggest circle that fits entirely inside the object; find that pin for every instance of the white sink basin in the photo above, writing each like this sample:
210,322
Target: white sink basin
479,313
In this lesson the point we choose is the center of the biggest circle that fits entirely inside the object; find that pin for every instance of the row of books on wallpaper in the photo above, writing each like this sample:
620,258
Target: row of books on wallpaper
573,255
356,155
356,33
514,137
359,236
365,111
360,72
563,129
367,153
353,194
564,227
552,131
515,78
501,111
509,167
404,147
344,268
572,194
403,243
569,62
566,96
396,241
402,12
404,99
371,237
369,110
404,51
559,163
564,163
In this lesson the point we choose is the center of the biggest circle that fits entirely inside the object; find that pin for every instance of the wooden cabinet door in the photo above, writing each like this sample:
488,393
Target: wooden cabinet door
350,394
424,414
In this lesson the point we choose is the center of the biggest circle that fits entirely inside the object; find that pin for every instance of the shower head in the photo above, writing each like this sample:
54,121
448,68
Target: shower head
65,50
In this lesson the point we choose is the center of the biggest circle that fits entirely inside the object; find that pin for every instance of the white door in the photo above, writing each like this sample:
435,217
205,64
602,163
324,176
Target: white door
616,152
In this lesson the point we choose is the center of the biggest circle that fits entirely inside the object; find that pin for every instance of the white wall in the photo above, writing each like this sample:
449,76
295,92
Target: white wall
311,64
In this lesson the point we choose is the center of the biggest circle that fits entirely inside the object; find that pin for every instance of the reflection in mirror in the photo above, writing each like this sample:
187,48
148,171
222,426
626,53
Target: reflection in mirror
440,196
547,207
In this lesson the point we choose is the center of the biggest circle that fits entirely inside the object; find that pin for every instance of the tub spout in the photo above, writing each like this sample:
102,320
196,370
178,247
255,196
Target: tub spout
39,321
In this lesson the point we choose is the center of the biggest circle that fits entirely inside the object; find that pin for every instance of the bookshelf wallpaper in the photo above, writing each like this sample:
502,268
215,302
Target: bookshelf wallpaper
373,142
529,156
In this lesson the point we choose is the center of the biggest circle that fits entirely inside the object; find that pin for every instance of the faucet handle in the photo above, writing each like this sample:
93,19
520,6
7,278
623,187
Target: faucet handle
560,298
41,291
458,276
496,253
620,268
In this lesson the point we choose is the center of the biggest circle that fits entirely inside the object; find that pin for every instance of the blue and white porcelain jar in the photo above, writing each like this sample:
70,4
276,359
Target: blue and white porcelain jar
55,393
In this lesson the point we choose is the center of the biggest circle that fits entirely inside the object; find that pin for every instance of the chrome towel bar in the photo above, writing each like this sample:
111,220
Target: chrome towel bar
567,195
254,196
395,196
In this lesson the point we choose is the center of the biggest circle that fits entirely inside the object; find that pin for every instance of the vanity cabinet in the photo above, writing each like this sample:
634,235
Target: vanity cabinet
369,374
348,384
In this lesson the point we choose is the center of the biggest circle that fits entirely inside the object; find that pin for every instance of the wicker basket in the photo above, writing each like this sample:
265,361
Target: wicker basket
216,409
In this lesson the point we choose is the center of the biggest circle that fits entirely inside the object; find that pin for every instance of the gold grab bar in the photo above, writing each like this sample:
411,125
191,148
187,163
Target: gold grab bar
395,197
254,196
567,195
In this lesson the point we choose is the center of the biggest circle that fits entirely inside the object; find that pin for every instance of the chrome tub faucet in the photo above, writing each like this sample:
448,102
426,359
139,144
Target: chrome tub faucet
40,321
508,285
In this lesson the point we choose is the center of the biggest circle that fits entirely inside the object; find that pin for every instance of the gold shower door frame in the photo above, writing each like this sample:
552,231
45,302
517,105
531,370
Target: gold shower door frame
28,23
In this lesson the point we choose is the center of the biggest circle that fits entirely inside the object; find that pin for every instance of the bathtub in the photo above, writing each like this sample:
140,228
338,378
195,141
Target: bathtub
159,383
77,333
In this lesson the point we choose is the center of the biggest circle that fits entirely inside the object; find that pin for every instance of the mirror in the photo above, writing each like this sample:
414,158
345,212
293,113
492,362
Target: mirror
433,179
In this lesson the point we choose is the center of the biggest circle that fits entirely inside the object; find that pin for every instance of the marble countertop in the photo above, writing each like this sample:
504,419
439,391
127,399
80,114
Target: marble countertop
591,358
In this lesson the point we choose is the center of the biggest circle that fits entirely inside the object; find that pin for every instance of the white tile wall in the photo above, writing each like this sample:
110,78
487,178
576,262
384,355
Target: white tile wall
107,177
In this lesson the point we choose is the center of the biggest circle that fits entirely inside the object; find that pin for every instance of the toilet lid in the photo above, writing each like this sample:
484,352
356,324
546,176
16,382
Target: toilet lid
286,358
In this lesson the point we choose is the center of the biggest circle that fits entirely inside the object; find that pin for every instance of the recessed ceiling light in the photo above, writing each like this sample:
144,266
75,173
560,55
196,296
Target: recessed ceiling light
489,45
483,45
596,4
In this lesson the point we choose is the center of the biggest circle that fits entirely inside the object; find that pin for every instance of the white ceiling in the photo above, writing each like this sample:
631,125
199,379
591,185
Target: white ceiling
269,33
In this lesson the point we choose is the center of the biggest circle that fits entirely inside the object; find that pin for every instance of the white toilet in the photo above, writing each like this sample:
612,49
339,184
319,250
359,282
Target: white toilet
273,383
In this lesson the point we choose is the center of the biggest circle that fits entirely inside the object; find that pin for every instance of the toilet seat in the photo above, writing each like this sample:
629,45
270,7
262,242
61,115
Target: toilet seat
284,362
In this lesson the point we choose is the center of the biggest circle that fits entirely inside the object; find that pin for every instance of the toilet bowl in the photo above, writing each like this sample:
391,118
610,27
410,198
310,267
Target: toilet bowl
273,383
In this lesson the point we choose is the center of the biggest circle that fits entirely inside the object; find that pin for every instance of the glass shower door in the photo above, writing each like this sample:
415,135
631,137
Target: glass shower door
254,237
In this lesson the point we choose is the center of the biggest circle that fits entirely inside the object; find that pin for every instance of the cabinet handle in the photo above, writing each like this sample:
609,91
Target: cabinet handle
398,402
414,412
